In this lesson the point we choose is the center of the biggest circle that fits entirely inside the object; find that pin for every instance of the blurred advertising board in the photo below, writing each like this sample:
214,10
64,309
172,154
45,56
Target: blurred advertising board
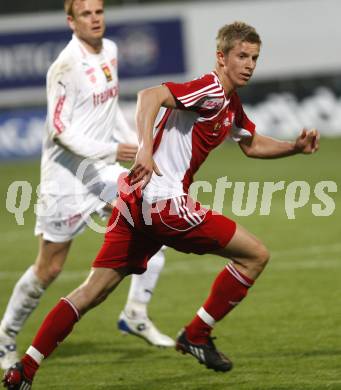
281,115
175,41
21,133
146,50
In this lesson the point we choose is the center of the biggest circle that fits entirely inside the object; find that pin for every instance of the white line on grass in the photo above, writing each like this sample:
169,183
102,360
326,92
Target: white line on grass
199,266
317,257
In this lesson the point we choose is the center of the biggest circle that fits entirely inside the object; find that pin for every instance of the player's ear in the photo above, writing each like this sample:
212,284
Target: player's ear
220,57
71,22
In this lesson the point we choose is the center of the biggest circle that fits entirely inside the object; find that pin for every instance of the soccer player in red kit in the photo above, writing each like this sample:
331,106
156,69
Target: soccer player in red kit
154,207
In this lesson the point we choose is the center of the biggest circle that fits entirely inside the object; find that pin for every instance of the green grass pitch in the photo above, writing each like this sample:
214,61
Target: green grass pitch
284,336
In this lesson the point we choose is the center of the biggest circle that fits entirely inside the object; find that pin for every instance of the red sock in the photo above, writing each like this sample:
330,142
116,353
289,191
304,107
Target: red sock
228,289
56,326
30,366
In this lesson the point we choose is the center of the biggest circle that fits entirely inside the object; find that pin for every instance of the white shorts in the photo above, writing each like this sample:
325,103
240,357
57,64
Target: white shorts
59,218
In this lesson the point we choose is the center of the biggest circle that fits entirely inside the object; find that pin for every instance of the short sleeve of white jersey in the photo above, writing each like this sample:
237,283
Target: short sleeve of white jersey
238,134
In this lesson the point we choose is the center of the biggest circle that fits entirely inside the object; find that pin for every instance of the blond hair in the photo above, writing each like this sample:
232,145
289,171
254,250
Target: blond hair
68,7
237,31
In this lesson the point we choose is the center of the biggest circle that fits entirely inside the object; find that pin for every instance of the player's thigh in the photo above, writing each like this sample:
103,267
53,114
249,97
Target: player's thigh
244,246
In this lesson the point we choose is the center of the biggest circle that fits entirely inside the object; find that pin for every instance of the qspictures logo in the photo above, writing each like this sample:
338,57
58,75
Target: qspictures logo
241,198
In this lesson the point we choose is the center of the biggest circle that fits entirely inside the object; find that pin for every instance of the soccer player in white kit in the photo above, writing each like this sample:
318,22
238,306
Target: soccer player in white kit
85,139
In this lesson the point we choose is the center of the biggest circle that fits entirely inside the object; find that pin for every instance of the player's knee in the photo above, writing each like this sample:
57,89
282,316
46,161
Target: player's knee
262,256
54,271
47,273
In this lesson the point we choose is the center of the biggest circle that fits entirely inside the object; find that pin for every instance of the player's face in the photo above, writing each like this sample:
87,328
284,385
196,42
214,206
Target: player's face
87,21
239,63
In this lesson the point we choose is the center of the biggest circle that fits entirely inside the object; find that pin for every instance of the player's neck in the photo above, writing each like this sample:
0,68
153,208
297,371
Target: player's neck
93,47
229,88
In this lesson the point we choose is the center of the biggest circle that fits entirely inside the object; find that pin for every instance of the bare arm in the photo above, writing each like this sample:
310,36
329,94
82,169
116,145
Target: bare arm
149,102
260,146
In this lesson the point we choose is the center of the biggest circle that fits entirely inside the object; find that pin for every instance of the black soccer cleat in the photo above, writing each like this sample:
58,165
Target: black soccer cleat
206,354
14,378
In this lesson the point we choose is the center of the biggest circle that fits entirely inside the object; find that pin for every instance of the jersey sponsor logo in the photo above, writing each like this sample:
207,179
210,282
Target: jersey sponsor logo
107,72
212,104
100,98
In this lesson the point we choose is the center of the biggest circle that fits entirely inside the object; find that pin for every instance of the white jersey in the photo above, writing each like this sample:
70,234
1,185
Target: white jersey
84,120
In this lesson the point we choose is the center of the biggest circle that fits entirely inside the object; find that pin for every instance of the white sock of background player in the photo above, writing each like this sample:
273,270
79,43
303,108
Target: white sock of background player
142,287
24,299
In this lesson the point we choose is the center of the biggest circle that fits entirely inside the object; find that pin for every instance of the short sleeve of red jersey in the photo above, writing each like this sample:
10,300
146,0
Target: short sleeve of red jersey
243,126
203,95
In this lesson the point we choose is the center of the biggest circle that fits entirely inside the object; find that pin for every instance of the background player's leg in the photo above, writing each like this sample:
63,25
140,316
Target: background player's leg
27,293
60,321
134,318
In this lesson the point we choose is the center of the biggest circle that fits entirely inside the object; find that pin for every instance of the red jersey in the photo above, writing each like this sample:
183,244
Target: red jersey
185,136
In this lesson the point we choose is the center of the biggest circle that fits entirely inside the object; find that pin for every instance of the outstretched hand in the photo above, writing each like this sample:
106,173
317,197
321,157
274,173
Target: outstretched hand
308,141
143,168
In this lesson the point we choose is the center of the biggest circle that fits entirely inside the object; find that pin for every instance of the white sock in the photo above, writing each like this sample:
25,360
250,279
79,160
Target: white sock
35,355
24,299
142,287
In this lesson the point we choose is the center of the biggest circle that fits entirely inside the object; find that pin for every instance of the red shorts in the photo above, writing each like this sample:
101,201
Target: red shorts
136,231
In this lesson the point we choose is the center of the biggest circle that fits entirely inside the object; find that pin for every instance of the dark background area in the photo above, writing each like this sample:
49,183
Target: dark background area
18,6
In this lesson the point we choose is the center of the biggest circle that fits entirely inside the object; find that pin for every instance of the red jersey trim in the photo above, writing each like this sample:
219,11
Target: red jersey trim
57,122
